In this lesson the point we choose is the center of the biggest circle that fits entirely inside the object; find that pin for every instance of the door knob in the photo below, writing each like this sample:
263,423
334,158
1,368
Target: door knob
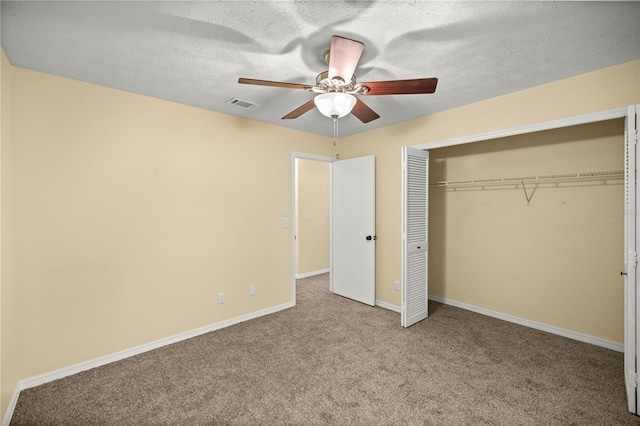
369,237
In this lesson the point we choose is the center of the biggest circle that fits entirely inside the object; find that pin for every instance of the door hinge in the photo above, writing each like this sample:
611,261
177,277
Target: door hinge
633,379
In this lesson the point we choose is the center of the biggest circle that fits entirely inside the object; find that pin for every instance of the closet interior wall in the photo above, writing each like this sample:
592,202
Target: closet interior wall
549,252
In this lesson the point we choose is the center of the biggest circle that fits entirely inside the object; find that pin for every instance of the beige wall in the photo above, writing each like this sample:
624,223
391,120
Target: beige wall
134,213
312,229
555,260
605,89
9,369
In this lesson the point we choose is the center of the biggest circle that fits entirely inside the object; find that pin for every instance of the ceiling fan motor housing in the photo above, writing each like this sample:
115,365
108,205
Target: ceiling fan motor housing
337,84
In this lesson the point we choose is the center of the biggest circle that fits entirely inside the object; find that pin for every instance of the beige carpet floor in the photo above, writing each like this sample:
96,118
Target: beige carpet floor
332,361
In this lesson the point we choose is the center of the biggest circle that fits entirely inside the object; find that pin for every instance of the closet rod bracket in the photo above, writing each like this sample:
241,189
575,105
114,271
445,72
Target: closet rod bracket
526,194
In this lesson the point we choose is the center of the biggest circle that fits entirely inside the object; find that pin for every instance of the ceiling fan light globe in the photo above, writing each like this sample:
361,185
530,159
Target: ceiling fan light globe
335,104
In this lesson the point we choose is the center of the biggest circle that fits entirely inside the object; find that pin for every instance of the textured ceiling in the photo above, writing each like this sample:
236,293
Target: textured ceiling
194,52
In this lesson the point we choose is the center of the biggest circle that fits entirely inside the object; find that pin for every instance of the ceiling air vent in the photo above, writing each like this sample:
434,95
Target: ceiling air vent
242,104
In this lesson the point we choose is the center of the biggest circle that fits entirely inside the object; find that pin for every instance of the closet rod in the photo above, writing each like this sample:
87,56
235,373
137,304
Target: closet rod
565,177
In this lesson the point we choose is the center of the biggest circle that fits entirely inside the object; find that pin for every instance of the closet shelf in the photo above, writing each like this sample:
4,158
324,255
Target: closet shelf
523,180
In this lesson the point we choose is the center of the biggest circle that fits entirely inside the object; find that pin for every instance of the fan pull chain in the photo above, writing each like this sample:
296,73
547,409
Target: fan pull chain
335,134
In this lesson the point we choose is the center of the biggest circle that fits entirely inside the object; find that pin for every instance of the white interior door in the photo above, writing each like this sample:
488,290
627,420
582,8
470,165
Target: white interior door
415,200
353,250
631,240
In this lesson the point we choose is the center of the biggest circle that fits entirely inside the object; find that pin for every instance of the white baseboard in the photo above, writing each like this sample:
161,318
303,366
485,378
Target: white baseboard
312,273
389,306
73,369
619,347
12,406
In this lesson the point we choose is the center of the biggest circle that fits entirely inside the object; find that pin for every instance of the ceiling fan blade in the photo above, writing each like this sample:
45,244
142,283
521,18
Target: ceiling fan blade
343,57
401,87
363,112
273,83
300,110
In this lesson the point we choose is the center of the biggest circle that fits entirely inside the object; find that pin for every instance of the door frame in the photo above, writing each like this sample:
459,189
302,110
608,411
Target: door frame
594,117
610,114
292,217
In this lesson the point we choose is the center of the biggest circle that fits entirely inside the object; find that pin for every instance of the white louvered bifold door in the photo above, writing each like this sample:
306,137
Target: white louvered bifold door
415,192
631,229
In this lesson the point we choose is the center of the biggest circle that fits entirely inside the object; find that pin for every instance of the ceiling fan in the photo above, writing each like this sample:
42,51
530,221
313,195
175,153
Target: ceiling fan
337,86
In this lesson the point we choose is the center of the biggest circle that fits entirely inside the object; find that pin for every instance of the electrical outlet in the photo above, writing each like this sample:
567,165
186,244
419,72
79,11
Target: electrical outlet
396,285
252,290
220,298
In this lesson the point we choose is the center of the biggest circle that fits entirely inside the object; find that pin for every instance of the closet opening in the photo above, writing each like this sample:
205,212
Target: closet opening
530,228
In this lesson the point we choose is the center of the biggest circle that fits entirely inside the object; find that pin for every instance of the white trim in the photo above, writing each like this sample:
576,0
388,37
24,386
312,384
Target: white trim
312,273
389,306
330,227
87,365
533,324
530,128
315,157
631,273
12,406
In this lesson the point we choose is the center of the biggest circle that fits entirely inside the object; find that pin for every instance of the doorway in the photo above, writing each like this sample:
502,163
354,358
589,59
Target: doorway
311,211
524,131
310,216
350,220
628,211
534,218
